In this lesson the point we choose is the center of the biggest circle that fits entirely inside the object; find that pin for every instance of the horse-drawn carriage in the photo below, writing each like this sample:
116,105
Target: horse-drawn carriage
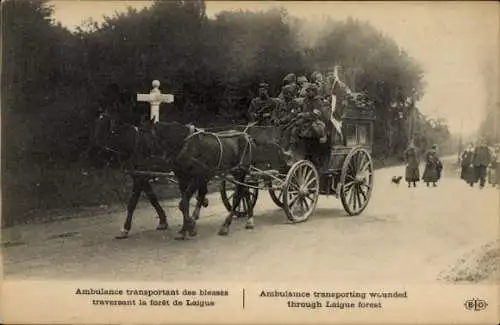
342,167
251,158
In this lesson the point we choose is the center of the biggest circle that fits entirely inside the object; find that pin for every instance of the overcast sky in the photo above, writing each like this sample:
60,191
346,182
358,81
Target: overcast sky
452,40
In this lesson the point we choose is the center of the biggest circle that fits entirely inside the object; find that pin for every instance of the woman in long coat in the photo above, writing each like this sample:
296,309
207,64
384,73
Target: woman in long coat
493,170
433,167
412,172
467,173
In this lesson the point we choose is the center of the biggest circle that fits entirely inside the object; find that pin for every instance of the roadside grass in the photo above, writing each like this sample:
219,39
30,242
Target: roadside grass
477,266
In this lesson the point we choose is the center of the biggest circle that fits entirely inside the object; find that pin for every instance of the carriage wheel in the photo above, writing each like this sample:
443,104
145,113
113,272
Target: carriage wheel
301,191
227,190
356,181
277,197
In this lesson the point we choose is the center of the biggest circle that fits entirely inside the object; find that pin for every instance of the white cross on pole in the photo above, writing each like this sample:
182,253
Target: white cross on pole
155,98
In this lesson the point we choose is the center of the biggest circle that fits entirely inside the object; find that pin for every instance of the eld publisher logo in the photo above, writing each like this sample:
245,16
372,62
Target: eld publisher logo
475,304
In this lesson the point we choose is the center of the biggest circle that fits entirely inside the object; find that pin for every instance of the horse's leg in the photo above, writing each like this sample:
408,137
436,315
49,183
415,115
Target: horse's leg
204,202
137,188
201,200
248,197
148,189
188,224
237,197
182,189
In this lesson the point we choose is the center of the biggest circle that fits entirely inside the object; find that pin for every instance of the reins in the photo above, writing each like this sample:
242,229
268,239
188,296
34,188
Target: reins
193,132
113,132
218,136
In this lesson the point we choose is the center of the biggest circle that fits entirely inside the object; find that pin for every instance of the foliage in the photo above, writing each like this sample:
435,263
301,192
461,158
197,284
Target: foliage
489,129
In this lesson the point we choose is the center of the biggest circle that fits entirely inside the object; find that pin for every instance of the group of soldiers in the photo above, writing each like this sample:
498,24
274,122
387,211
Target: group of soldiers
303,108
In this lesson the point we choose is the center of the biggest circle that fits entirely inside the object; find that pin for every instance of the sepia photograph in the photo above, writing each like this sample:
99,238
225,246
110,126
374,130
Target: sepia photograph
308,158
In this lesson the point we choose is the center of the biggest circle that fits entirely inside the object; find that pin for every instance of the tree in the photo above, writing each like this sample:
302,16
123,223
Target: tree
378,67
37,64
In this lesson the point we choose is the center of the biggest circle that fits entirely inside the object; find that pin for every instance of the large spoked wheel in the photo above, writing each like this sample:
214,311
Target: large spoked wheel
277,197
227,191
356,181
300,191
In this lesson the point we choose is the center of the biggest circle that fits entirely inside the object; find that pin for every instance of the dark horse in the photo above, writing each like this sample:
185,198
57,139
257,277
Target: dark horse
129,146
201,157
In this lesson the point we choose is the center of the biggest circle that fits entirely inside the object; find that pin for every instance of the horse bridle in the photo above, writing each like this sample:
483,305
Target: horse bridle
195,131
113,133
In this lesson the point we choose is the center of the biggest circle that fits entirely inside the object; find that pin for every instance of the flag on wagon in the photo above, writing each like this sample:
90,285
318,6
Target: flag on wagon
337,124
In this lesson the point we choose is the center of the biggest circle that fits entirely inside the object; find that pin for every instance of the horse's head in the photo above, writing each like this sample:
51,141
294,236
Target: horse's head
112,135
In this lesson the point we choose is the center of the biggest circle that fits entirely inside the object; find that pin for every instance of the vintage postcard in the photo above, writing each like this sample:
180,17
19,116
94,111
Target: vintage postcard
227,162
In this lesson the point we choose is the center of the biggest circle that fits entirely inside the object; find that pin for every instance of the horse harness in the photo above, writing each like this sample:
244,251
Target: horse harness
218,136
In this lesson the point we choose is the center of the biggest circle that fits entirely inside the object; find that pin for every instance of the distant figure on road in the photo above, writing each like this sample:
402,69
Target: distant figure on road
433,167
481,160
467,172
412,172
493,167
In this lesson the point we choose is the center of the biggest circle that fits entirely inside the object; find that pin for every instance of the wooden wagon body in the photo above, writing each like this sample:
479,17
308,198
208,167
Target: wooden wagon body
342,167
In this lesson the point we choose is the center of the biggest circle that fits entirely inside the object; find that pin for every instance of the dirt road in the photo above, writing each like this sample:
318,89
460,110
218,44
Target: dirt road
405,235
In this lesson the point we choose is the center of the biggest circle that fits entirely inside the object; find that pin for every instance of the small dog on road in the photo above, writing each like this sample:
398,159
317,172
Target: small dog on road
396,179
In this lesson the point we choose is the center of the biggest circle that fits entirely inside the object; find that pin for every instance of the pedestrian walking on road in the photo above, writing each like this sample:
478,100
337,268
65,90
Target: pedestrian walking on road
433,167
466,159
496,164
412,172
481,160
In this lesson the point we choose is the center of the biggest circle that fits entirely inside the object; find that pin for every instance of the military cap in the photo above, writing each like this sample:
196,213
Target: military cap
302,79
289,89
290,78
